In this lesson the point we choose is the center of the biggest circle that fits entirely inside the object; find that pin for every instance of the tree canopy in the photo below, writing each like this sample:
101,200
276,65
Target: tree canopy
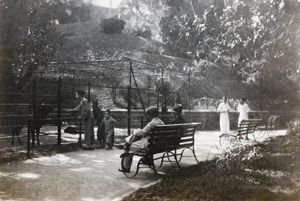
256,41
259,40
28,35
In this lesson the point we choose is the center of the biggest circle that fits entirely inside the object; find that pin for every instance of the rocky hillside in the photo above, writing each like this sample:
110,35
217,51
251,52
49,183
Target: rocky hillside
85,41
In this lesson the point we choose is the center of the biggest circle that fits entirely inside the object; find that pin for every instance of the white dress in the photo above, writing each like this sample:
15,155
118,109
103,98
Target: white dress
224,118
243,110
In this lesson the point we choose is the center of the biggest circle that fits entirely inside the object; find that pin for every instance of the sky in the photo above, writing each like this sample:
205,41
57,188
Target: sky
106,3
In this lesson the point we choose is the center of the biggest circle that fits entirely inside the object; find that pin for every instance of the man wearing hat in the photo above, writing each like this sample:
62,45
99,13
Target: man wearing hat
139,140
177,112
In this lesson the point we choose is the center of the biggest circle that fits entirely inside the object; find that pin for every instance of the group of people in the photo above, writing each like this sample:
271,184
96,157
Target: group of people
224,108
139,140
105,123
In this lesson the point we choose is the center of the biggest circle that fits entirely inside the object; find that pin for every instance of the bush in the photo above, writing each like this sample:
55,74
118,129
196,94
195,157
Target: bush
144,33
294,127
112,25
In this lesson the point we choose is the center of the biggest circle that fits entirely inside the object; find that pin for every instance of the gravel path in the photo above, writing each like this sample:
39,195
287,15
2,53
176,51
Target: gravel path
85,175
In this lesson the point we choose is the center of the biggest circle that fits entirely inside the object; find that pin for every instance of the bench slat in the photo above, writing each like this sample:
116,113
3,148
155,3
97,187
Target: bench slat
246,127
165,140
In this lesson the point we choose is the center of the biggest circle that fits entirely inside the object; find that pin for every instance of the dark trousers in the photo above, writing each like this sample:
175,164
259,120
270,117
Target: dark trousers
110,138
101,135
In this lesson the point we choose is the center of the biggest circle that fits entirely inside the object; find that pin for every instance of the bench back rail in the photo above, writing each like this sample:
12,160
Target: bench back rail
163,142
168,138
245,128
270,125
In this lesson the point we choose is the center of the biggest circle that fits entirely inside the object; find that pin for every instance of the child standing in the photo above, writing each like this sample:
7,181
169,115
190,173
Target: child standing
109,123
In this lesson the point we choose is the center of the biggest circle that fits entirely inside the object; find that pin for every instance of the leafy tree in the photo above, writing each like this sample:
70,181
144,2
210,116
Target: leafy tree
70,11
144,15
28,38
259,40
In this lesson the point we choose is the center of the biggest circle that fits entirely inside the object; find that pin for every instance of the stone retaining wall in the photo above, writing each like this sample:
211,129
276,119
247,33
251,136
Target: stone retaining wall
209,119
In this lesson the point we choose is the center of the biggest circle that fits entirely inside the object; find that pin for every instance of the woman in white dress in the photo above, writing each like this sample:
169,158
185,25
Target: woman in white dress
224,116
243,109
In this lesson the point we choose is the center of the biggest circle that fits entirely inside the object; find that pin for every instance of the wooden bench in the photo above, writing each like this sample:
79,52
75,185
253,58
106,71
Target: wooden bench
270,126
165,143
245,128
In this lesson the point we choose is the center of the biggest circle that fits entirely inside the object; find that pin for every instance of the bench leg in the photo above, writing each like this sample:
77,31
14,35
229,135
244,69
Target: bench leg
172,157
178,160
224,141
194,153
134,167
181,153
155,166
227,141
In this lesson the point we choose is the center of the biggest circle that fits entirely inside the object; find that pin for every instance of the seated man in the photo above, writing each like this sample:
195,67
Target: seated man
178,119
139,140
177,113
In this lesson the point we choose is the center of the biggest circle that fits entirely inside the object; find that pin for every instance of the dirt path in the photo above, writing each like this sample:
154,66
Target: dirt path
85,175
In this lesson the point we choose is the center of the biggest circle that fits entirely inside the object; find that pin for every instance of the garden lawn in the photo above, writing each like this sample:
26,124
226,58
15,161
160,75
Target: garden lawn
268,171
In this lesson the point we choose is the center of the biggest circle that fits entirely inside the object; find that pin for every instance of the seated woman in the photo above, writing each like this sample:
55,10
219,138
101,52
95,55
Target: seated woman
139,140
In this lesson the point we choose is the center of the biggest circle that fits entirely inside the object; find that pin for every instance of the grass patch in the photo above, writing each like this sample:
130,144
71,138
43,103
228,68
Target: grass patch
268,171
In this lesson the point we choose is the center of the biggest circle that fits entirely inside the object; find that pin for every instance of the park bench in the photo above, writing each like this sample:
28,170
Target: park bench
165,143
270,126
245,128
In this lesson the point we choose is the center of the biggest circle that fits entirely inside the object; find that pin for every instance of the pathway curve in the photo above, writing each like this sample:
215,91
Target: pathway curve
84,175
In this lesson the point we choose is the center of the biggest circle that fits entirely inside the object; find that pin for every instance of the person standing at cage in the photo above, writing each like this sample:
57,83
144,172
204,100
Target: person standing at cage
243,109
88,120
109,123
224,109
98,116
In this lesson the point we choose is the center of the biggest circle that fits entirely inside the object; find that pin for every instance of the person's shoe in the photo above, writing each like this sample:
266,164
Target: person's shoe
108,148
102,145
119,146
124,154
124,170
146,161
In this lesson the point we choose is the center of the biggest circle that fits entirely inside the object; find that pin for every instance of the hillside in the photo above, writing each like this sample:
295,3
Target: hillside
84,41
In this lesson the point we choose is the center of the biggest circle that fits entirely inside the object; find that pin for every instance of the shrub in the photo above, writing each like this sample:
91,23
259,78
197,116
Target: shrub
144,33
112,25
294,127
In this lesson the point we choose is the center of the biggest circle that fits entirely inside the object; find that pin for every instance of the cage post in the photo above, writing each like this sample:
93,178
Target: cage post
73,87
157,98
28,137
137,87
80,129
129,101
59,111
89,92
149,87
189,95
162,90
33,111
